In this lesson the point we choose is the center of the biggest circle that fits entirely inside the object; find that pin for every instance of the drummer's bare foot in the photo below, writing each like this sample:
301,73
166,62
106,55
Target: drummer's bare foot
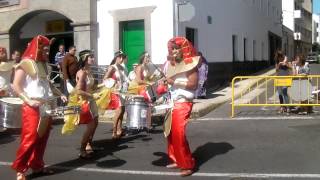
21,176
114,135
186,172
120,133
89,148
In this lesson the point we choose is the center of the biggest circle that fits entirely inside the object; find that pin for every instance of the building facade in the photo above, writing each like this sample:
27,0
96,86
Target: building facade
236,37
71,22
288,19
303,26
316,28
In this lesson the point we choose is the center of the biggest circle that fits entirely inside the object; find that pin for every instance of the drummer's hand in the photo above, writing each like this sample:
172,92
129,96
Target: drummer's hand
96,96
170,81
34,103
64,98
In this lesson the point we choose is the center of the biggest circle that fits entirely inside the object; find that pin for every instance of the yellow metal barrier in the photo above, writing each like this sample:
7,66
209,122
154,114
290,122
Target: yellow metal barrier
300,91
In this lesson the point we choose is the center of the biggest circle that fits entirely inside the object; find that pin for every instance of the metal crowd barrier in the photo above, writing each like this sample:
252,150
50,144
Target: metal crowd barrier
262,91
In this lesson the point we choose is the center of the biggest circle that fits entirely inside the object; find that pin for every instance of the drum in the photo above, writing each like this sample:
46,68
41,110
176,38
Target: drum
10,112
138,113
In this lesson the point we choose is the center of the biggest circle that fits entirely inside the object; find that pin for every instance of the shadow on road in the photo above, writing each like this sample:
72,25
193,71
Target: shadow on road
202,154
209,150
7,137
106,148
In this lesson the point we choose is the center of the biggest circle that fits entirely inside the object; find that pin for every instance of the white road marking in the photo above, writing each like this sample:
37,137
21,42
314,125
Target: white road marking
284,117
159,173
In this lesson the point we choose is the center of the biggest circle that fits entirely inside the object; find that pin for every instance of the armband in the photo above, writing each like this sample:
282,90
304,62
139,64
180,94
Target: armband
24,97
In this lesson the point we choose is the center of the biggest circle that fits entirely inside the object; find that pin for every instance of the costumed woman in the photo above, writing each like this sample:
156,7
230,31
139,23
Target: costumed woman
82,96
116,78
182,77
31,84
140,83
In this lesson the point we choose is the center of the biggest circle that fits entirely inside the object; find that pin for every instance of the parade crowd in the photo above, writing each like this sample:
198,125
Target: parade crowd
296,67
180,79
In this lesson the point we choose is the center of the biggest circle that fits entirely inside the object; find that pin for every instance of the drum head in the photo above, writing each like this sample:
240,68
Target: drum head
136,98
11,100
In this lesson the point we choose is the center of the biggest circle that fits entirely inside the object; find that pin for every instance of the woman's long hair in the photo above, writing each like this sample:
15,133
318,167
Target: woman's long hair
116,55
83,58
301,58
142,56
279,56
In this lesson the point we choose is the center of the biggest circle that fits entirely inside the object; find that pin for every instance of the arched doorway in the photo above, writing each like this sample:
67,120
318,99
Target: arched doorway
45,22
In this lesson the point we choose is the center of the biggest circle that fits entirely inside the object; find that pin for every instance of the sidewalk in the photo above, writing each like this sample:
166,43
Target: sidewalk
202,107
221,96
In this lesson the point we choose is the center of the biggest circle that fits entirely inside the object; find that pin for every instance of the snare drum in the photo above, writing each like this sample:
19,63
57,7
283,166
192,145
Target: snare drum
10,112
138,113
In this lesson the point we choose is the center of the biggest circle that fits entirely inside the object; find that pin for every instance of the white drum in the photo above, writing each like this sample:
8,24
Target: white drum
10,112
138,113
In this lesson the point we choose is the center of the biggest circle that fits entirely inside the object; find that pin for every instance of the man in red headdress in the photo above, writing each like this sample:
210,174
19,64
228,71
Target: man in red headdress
182,76
36,91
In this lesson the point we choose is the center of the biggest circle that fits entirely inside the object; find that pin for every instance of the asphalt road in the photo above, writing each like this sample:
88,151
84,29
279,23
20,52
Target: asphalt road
259,145
225,149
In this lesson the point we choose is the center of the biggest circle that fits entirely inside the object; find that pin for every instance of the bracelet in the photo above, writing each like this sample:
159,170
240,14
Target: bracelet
24,97
181,84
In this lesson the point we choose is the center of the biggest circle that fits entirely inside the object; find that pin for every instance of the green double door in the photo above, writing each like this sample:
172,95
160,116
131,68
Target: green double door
132,40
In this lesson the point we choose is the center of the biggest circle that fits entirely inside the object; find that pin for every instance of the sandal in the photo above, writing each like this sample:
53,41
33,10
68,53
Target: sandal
42,172
84,155
91,149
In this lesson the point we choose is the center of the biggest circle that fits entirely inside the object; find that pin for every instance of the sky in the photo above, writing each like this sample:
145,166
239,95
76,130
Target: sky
316,6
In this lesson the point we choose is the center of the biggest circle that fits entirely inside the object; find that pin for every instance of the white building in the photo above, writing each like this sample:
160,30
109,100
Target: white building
233,35
303,26
71,22
316,28
288,20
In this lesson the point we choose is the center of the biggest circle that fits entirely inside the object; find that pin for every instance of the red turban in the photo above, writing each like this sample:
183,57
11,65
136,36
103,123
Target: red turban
187,49
34,49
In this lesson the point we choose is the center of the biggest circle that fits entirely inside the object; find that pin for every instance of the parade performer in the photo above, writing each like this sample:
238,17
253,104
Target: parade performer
182,76
140,83
83,95
5,72
116,78
36,91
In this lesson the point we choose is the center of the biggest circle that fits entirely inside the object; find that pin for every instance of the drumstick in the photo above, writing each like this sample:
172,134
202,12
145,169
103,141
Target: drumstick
158,69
